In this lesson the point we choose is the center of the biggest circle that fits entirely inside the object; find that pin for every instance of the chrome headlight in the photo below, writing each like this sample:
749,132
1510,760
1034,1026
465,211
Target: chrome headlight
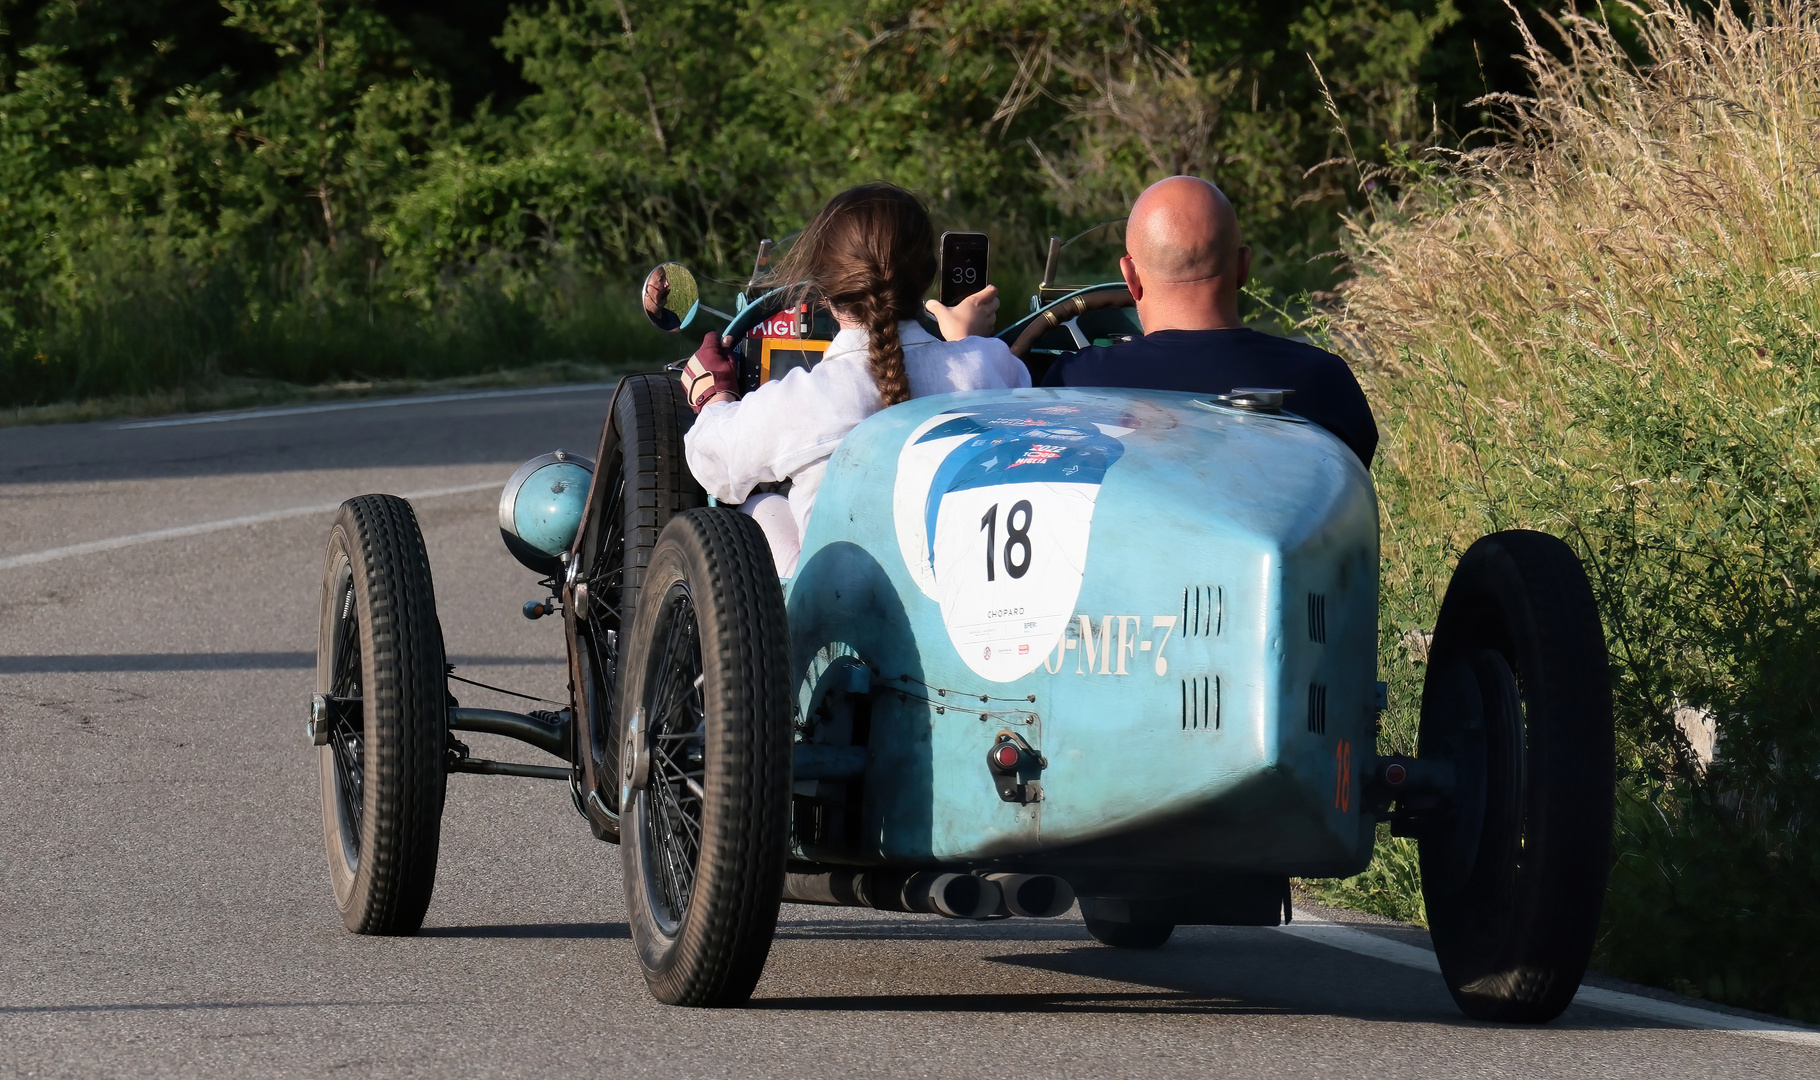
540,509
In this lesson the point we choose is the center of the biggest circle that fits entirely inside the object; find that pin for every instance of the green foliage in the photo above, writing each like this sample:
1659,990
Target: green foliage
1702,533
1391,886
309,185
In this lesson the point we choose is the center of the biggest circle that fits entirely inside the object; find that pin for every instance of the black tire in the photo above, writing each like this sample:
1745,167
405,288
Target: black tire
1130,935
1518,699
641,481
380,654
707,683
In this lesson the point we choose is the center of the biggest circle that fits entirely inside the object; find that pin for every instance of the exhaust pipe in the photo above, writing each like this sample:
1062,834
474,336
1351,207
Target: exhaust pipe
956,896
1034,896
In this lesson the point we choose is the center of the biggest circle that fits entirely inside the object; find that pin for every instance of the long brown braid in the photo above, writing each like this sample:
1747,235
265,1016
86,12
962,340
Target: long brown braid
871,253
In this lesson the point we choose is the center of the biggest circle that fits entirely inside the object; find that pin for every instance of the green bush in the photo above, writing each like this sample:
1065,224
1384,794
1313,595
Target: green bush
294,193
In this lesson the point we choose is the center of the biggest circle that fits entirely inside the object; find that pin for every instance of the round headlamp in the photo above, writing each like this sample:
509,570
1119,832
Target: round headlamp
540,509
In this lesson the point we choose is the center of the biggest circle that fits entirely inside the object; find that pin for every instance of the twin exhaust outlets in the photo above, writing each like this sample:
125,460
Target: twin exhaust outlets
956,896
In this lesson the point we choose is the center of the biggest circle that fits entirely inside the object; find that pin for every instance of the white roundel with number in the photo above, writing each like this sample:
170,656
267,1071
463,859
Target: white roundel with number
994,509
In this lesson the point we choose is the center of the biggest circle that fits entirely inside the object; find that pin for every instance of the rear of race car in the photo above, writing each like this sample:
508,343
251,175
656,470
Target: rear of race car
1097,633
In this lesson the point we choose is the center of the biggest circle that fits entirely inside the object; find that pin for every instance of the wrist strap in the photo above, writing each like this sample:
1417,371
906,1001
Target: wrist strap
698,398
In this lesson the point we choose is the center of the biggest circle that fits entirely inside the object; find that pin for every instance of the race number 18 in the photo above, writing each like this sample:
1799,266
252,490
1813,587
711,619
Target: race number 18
1017,538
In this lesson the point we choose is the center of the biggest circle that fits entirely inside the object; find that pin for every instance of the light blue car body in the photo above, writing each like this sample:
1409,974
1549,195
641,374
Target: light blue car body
1201,583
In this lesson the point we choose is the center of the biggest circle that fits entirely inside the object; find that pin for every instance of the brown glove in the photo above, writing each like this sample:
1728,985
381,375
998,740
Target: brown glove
710,371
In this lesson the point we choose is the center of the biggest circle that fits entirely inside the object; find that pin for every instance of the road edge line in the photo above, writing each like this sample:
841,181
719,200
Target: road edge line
358,403
1340,936
114,543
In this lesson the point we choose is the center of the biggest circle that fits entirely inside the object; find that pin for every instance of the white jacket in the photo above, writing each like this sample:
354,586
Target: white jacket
787,430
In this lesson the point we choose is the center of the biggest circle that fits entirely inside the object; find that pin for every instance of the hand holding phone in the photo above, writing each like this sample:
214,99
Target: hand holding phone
974,316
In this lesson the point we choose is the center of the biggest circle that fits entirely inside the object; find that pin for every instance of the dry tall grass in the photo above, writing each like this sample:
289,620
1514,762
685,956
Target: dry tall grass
1604,326
1622,203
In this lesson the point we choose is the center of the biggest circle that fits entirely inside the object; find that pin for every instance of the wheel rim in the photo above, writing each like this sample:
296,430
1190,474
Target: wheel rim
603,573
347,738
670,802
1484,738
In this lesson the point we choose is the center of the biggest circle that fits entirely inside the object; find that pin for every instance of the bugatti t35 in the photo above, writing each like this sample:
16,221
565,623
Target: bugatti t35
1040,645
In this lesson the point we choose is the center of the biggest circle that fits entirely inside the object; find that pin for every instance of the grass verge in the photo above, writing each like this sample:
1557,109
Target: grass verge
184,338
1604,327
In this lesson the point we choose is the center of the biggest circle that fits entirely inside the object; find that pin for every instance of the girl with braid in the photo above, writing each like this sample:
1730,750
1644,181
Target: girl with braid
870,255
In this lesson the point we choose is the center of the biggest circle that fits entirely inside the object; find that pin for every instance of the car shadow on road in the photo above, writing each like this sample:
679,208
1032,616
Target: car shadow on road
1202,970
1146,1002
927,929
1275,973
563,931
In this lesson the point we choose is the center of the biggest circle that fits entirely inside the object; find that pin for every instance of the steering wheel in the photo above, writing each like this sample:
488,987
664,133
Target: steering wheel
1020,336
767,305
1024,333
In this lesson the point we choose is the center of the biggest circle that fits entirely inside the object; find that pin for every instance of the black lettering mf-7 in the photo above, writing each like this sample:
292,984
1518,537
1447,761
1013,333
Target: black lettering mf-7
1109,648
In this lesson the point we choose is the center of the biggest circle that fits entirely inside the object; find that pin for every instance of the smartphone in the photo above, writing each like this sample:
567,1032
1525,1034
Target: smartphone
963,265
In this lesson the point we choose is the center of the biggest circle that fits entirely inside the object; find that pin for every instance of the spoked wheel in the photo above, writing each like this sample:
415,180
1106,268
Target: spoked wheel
1518,702
641,482
382,700
706,760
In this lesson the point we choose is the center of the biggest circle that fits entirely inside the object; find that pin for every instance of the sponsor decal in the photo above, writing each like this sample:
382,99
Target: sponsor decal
780,325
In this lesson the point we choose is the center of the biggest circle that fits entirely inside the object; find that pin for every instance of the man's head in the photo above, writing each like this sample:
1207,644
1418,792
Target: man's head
1185,261
657,290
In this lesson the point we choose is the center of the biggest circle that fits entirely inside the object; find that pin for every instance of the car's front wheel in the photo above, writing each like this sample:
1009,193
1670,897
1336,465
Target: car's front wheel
641,481
380,714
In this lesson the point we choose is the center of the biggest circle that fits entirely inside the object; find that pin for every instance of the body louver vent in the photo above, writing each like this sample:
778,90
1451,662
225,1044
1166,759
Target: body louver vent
1203,610
1317,618
1200,703
1317,708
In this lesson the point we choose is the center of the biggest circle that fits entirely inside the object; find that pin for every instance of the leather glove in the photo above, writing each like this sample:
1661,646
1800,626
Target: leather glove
710,371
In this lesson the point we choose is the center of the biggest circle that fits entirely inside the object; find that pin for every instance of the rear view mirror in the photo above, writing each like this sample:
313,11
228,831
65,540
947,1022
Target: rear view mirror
671,297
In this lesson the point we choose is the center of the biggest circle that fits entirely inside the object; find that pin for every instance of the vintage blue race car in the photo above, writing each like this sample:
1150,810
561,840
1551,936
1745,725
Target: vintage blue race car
1040,645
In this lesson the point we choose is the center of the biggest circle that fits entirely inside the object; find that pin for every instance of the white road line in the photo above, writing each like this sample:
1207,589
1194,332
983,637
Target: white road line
365,403
1380,948
112,543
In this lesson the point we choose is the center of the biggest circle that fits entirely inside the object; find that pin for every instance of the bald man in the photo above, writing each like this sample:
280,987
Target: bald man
1186,263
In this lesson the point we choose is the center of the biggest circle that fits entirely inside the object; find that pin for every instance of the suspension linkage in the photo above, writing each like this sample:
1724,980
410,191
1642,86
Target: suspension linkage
460,761
548,731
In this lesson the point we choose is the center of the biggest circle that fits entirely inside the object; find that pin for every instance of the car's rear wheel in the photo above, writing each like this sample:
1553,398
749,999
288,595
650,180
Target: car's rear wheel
383,708
706,760
640,483
1517,703
1130,935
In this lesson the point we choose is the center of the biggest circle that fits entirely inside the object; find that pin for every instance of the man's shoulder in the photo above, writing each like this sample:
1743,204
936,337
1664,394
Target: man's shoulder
1294,346
1167,357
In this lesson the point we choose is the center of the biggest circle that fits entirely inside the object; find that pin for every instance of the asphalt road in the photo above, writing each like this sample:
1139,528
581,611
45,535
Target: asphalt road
164,899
